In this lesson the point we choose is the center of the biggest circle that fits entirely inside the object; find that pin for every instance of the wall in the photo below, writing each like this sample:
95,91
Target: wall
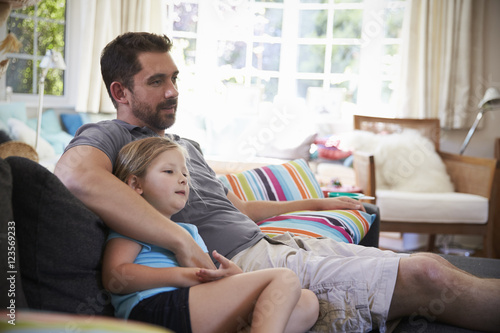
482,142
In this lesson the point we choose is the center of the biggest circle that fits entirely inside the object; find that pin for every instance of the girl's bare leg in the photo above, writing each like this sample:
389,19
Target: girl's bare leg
264,299
304,314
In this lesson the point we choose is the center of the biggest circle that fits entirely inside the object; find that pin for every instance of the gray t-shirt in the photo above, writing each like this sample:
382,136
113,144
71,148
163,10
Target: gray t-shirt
221,225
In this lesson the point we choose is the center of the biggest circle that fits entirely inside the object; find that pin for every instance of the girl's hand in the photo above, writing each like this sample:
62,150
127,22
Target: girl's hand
341,203
226,268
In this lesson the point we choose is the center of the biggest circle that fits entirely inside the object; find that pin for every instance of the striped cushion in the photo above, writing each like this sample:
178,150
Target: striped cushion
293,180
348,226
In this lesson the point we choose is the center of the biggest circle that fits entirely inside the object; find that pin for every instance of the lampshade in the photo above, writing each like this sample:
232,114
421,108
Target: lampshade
53,59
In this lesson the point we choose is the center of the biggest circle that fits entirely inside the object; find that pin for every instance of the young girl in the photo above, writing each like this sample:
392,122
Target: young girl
147,283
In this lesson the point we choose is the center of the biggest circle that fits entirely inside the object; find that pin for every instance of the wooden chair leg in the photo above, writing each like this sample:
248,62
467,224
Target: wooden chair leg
488,246
431,243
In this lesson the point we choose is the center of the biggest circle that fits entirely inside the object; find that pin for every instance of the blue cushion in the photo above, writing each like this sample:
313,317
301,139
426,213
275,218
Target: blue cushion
13,110
71,122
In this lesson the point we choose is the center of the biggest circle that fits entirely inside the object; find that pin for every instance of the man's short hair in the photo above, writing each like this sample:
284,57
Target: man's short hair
119,59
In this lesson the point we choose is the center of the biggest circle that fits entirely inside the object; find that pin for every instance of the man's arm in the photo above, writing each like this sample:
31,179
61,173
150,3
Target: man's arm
87,173
260,210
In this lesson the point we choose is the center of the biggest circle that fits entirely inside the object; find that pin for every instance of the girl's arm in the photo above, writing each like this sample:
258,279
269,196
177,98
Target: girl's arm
261,209
121,276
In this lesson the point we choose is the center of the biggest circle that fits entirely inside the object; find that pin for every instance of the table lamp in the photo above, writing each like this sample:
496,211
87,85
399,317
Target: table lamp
52,59
490,101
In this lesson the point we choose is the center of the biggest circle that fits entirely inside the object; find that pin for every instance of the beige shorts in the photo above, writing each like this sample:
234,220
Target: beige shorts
354,284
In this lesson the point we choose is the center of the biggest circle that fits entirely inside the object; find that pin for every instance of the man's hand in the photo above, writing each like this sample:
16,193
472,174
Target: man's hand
226,268
193,256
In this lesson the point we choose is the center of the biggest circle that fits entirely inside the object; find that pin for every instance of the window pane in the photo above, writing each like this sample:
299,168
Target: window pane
50,37
390,60
312,23
311,59
186,47
54,10
23,29
268,22
186,17
232,53
394,22
303,85
314,1
54,82
345,59
387,89
351,87
270,86
347,23
39,28
266,56
348,1
19,76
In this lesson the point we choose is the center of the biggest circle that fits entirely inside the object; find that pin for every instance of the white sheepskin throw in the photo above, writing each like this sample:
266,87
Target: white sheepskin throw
404,161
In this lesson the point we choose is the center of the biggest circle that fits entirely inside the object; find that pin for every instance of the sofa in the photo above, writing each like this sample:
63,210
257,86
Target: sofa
58,244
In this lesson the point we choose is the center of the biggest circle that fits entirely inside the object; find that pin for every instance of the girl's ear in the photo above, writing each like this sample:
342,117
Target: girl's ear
135,183
118,92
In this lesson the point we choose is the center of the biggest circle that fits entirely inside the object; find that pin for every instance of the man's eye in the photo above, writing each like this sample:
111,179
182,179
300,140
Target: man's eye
174,79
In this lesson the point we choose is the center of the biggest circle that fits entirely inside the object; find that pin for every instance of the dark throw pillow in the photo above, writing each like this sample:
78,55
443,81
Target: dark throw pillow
60,243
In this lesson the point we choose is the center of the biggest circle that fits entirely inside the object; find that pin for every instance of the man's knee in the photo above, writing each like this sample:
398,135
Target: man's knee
423,271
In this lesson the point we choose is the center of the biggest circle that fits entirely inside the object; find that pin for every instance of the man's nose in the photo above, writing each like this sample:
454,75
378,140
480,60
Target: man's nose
171,90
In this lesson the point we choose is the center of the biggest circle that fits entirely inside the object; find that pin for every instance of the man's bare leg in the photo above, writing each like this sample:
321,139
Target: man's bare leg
430,287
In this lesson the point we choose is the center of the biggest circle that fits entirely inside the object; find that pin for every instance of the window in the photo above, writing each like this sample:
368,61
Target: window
290,47
39,28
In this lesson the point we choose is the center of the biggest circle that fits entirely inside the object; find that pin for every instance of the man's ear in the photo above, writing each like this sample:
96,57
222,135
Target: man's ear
135,183
118,92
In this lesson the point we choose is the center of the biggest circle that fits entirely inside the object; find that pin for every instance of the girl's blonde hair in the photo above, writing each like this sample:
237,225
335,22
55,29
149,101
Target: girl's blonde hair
136,157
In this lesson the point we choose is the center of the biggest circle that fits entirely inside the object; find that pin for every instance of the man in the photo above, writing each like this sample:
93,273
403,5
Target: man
359,288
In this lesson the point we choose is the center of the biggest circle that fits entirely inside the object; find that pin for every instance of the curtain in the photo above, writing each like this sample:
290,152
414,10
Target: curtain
103,21
442,74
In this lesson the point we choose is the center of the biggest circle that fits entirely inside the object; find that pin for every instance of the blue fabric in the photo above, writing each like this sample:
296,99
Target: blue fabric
52,131
13,110
152,256
71,122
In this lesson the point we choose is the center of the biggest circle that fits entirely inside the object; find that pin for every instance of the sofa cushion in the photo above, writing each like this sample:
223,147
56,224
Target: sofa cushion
348,226
13,110
12,298
71,122
293,180
452,207
60,242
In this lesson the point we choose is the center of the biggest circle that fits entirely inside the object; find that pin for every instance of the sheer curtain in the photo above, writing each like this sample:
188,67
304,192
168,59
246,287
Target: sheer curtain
102,21
442,74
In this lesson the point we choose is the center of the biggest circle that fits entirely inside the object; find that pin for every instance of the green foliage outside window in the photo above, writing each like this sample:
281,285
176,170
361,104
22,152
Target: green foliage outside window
39,28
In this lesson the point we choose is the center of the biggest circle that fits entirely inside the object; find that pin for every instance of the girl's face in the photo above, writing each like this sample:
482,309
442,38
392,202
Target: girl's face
165,185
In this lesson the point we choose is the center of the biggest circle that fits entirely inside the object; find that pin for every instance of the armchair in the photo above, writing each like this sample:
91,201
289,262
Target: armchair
474,180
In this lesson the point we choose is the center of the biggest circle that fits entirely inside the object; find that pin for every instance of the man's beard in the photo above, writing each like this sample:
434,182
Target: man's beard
154,119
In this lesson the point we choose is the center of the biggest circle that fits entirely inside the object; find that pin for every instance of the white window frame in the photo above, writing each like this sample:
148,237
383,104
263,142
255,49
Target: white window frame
71,54
370,77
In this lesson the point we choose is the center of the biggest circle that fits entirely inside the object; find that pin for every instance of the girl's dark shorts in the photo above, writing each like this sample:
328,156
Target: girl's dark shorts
169,309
